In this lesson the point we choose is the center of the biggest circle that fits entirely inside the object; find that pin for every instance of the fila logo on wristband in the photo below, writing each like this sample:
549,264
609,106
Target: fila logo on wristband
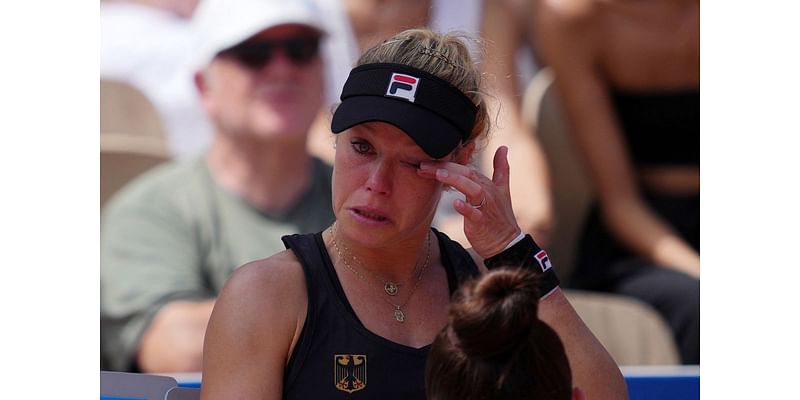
544,260
402,86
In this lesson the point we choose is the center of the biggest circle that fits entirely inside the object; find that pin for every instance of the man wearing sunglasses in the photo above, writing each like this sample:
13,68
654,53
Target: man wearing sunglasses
171,238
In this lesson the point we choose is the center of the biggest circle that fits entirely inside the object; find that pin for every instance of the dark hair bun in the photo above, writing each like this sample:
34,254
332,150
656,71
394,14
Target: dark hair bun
495,313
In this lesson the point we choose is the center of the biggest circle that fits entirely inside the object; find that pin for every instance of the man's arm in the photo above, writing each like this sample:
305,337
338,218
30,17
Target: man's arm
174,339
154,302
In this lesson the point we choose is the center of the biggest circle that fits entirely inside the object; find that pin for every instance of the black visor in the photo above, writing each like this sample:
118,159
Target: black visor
435,114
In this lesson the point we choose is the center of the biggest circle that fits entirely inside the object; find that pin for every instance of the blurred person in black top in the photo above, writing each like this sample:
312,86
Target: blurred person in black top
628,74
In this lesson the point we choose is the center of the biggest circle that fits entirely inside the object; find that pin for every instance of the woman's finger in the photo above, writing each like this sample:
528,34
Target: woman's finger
500,177
452,167
470,213
463,184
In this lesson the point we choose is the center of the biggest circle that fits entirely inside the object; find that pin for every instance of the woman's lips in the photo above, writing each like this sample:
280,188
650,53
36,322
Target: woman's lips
369,215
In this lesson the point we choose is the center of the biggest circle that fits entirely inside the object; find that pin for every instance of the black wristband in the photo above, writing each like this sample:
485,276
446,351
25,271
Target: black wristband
527,254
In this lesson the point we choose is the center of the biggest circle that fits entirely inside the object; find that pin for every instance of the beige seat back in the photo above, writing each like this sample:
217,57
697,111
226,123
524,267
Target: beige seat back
571,187
125,109
632,331
123,157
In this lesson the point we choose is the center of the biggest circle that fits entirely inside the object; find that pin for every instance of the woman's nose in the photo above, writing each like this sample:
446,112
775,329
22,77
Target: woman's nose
380,178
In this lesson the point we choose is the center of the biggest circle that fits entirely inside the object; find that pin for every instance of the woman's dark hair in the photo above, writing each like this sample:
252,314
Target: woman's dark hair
494,345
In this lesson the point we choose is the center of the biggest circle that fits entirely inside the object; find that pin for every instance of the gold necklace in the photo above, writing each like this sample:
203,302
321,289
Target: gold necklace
399,315
390,287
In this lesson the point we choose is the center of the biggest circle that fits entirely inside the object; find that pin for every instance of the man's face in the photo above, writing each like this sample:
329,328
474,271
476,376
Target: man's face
269,86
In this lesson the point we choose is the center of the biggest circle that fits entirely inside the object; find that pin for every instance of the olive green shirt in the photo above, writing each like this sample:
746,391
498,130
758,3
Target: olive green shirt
174,234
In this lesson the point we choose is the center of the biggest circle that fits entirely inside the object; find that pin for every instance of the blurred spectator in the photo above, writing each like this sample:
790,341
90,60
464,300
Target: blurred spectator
171,238
497,28
494,345
150,43
628,74
509,63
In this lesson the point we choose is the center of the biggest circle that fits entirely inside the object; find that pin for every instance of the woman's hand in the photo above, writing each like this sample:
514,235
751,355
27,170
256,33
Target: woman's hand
489,222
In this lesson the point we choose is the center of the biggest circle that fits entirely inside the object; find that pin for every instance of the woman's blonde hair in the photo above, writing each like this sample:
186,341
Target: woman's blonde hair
442,55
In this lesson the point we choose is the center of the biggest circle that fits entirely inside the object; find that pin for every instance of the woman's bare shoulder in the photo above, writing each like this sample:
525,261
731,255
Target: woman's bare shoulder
255,323
261,284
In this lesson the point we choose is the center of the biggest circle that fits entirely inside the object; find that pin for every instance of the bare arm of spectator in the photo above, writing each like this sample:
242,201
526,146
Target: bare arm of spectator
154,302
530,187
174,339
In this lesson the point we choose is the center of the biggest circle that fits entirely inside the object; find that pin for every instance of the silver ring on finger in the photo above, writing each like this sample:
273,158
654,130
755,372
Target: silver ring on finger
478,206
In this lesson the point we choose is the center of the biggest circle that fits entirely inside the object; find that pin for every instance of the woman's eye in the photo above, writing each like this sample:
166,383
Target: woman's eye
361,147
412,164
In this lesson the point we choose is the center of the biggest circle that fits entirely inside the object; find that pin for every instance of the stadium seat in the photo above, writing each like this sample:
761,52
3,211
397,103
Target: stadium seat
123,157
132,138
125,109
571,187
182,393
126,385
633,332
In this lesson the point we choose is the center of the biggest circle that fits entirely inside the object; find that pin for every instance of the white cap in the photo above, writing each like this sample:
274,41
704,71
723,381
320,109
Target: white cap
222,24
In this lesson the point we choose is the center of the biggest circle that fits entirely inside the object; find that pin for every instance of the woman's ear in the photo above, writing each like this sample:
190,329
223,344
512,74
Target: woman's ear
577,394
464,153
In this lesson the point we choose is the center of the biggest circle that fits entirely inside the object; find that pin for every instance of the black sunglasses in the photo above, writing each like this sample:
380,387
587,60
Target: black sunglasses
258,53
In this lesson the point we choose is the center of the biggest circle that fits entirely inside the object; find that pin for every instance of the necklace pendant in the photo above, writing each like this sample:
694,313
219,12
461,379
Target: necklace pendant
390,288
398,315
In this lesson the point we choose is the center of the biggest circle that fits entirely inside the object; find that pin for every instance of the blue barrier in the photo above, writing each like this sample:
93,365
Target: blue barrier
662,382
644,382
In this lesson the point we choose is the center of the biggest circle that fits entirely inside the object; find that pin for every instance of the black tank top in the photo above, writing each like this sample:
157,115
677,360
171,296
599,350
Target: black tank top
336,357
661,128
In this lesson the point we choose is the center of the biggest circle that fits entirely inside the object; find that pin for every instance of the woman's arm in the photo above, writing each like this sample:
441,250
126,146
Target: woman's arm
567,33
253,329
593,369
489,229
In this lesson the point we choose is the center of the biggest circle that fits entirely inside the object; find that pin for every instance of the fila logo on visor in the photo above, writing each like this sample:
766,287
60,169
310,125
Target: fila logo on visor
544,260
402,86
